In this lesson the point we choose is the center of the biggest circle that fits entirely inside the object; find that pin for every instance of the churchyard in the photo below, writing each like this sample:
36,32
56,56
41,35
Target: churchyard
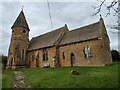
61,77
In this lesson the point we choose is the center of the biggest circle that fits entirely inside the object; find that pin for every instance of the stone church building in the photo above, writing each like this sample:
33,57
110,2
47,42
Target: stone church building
84,46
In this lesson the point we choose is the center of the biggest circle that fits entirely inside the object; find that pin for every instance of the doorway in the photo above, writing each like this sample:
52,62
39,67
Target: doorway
72,57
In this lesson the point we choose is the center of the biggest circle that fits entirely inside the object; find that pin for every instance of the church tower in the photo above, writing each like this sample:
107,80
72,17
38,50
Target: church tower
17,54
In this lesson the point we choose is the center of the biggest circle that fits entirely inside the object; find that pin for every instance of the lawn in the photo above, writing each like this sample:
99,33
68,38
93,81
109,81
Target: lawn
7,78
90,77
0,75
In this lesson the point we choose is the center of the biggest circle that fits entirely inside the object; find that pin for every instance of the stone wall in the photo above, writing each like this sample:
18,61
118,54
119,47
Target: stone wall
105,44
41,63
19,41
98,55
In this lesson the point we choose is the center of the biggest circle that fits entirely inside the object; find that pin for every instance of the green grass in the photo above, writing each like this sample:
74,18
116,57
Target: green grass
7,78
90,77
0,75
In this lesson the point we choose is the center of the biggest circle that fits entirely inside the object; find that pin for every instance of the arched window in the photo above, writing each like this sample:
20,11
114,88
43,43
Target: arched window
37,55
33,57
37,58
63,55
17,50
23,54
86,51
45,55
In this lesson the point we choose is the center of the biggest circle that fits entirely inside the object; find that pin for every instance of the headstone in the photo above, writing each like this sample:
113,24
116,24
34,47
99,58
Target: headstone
74,72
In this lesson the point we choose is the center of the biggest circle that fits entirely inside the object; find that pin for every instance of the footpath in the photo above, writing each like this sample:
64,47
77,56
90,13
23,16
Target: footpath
19,80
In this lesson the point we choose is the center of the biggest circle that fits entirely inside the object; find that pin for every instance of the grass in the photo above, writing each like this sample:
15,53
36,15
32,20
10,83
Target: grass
7,78
0,75
90,77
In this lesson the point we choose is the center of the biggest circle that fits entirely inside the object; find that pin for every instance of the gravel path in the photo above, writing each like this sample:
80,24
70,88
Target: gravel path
19,80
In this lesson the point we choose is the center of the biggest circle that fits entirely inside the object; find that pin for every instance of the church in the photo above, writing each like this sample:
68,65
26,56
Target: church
85,46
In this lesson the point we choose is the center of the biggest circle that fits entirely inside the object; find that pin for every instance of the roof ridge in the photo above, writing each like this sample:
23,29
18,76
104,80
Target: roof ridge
84,26
45,40
81,34
49,32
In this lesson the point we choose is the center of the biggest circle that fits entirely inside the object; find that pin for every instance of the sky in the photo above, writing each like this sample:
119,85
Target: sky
74,14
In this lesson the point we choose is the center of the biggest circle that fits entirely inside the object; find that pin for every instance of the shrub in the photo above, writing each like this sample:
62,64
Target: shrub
4,61
115,55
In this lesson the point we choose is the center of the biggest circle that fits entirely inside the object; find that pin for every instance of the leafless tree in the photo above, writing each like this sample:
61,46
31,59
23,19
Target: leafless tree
109,6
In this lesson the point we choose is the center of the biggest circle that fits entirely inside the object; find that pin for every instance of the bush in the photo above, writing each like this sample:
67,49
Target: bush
0,58
4,61
115,55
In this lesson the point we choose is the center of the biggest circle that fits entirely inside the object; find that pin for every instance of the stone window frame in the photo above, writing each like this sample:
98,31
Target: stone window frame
24,31
45,54
23,54
87,51
72,58
63,55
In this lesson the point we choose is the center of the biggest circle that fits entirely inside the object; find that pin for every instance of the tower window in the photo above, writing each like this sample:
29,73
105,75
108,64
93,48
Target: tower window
23,54
24,31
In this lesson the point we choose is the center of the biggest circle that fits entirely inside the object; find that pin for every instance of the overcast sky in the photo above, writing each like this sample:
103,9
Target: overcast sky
74,14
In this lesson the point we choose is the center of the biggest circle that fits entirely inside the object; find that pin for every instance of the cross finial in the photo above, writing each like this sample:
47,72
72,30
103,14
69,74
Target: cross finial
100,16
22,8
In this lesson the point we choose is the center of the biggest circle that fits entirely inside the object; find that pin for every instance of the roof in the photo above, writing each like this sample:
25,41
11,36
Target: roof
81,34
20,21
45,40
89,32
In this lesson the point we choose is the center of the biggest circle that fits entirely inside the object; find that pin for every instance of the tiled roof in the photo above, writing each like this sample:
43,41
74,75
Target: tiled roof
45,40
81,34
20,21
85,33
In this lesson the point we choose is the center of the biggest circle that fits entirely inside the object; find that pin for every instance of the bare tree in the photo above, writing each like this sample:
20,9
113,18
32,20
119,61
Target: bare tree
109,6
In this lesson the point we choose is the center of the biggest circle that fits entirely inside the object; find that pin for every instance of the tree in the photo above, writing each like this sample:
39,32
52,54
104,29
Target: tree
115,55
4,61
109,7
